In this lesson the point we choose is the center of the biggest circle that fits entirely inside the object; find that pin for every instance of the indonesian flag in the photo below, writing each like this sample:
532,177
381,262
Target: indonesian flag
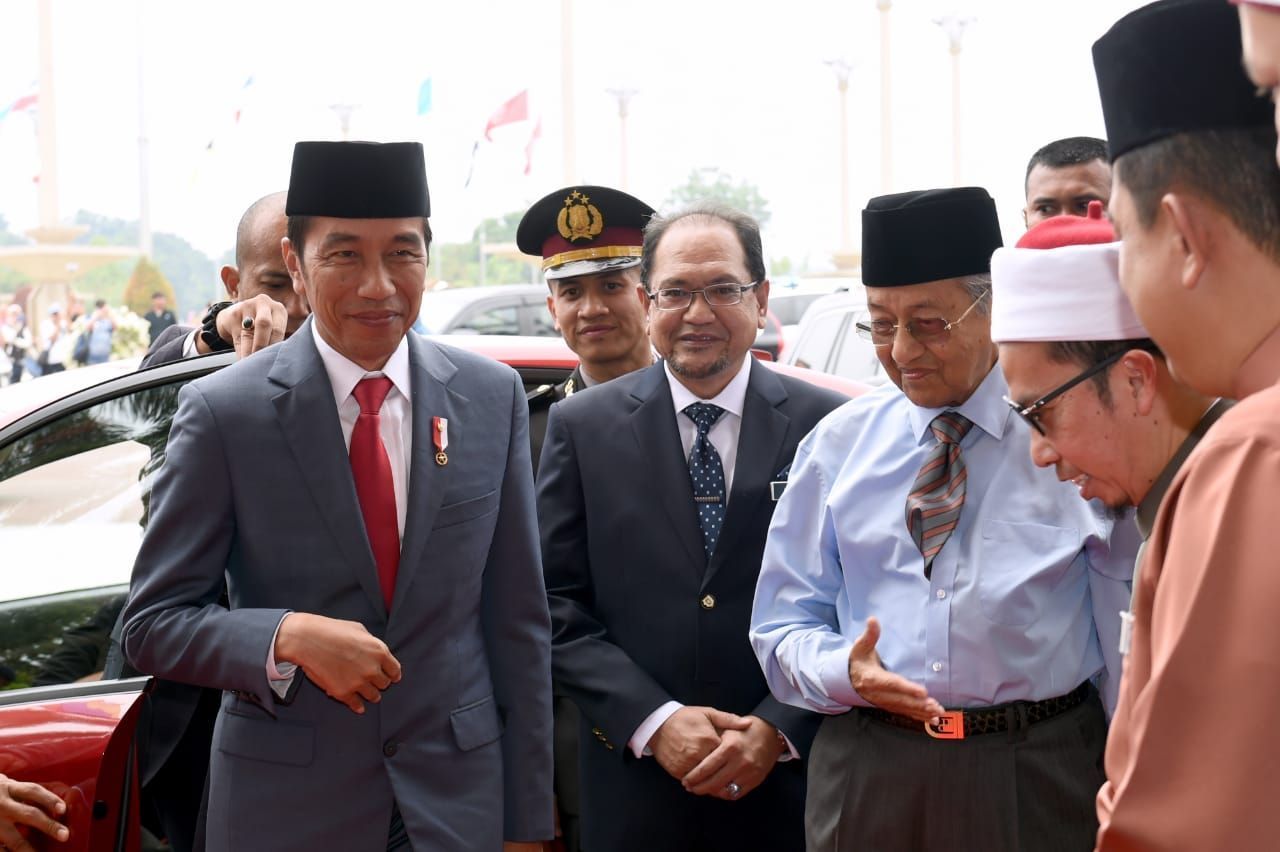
516,109
528,149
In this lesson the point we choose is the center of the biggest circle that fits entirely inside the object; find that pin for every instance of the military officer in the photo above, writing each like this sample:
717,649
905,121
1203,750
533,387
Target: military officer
589,240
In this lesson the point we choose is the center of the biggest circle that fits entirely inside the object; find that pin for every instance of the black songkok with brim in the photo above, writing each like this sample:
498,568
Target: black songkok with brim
358,180
929,235
1174,67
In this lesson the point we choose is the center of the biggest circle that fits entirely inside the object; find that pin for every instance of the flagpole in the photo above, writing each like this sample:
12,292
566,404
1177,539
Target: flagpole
144,164
566,91
45,122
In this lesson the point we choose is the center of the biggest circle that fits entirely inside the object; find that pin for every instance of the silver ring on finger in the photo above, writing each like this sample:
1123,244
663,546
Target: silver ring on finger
733,789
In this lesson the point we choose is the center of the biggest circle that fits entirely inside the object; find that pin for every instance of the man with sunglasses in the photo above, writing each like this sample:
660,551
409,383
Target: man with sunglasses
928,587
1196,201
654,494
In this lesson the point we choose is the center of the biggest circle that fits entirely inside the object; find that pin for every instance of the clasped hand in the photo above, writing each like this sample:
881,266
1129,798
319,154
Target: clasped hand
706,749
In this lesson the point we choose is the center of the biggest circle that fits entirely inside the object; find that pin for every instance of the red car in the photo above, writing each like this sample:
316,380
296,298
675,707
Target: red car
75,477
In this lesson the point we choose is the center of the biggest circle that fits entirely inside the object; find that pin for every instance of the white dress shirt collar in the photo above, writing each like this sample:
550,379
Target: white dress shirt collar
731,399
345,374
985,408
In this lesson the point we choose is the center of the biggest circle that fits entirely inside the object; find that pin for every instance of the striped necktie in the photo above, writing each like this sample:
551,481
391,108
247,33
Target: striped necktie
933,506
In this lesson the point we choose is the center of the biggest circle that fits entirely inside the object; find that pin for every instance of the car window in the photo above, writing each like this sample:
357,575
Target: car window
813,350
856,358
73,504
499,320
790,307
539,319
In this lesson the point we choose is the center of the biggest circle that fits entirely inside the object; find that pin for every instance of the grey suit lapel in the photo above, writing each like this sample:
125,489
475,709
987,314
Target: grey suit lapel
309,418
431,372
760,439
661,462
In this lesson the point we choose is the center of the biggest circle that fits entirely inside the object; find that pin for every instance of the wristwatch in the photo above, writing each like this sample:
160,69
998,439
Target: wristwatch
209,328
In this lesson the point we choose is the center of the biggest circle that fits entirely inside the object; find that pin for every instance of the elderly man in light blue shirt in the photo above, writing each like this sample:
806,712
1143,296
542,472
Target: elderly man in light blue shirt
930,588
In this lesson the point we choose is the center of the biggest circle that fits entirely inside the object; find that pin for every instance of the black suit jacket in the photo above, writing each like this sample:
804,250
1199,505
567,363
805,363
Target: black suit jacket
167,347
639,615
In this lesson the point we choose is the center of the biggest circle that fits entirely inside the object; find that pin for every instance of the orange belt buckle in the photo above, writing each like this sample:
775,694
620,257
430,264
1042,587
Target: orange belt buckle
950,726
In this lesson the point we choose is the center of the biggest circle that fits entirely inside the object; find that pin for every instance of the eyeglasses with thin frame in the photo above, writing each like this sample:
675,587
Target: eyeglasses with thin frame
925,330
716,296
1031,413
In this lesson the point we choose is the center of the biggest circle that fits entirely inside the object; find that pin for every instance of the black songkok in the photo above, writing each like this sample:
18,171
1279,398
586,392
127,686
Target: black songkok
916,237
358,180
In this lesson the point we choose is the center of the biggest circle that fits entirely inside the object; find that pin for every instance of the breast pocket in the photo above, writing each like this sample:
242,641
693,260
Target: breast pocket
466,510
1020,568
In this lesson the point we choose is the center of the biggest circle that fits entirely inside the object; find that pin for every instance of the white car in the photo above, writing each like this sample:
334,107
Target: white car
827,342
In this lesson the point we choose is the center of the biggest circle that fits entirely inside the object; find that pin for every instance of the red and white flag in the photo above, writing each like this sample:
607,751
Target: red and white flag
516,109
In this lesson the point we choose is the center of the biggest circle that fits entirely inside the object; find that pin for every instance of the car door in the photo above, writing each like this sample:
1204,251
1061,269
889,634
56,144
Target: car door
75,484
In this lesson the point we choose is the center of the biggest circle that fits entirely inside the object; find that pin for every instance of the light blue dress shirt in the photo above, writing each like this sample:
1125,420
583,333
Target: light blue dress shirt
1015,592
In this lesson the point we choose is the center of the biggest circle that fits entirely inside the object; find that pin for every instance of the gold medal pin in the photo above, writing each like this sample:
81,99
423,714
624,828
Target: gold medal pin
440,432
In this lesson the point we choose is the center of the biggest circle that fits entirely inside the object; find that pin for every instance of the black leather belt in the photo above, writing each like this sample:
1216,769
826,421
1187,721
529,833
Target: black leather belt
975,721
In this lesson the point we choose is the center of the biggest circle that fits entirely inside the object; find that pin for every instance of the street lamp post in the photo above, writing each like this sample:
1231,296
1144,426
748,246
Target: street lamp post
886,101
954,26
845,255
623,97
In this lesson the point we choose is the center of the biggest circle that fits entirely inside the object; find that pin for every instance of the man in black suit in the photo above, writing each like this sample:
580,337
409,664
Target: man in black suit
258,289
651,585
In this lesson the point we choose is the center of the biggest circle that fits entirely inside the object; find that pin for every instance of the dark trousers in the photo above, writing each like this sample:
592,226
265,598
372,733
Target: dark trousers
567,783
874,787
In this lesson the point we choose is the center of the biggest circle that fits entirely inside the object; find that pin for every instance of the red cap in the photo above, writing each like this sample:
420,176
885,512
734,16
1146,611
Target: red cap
1059,231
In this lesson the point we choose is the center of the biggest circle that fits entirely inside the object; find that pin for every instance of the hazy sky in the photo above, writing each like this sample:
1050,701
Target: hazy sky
738,86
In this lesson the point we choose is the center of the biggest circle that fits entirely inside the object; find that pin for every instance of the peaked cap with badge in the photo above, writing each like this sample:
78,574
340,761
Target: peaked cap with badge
580,230
930,235
358,180
1174,67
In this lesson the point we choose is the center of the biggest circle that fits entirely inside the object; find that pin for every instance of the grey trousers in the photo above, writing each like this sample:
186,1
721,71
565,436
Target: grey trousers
877,788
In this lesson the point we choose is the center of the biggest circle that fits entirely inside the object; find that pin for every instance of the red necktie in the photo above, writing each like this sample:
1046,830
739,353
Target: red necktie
372,472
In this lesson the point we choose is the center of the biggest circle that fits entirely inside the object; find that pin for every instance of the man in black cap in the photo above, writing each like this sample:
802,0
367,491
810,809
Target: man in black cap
654,493
589,239
1196,200
385,658
929,587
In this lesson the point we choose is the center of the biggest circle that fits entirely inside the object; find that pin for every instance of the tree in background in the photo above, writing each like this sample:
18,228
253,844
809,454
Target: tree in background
193,274
10,279
459,263
145,280
711,184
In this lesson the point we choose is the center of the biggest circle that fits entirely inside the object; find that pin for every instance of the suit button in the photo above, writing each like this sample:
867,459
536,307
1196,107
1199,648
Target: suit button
709,602
390,747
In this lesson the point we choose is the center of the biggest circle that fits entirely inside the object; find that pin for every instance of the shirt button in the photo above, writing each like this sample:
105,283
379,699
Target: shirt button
389,748
942,593
937,667
709,602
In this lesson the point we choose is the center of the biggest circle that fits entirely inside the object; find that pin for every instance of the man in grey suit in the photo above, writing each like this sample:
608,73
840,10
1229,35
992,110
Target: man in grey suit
368,495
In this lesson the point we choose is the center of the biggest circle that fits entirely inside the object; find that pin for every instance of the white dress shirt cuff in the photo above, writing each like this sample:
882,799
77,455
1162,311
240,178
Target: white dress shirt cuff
833,672
790,753
279,676
189,349
639,742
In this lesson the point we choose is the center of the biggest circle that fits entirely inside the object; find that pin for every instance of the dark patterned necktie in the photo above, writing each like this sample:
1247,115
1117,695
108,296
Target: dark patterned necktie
933,506
375,487
706,473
